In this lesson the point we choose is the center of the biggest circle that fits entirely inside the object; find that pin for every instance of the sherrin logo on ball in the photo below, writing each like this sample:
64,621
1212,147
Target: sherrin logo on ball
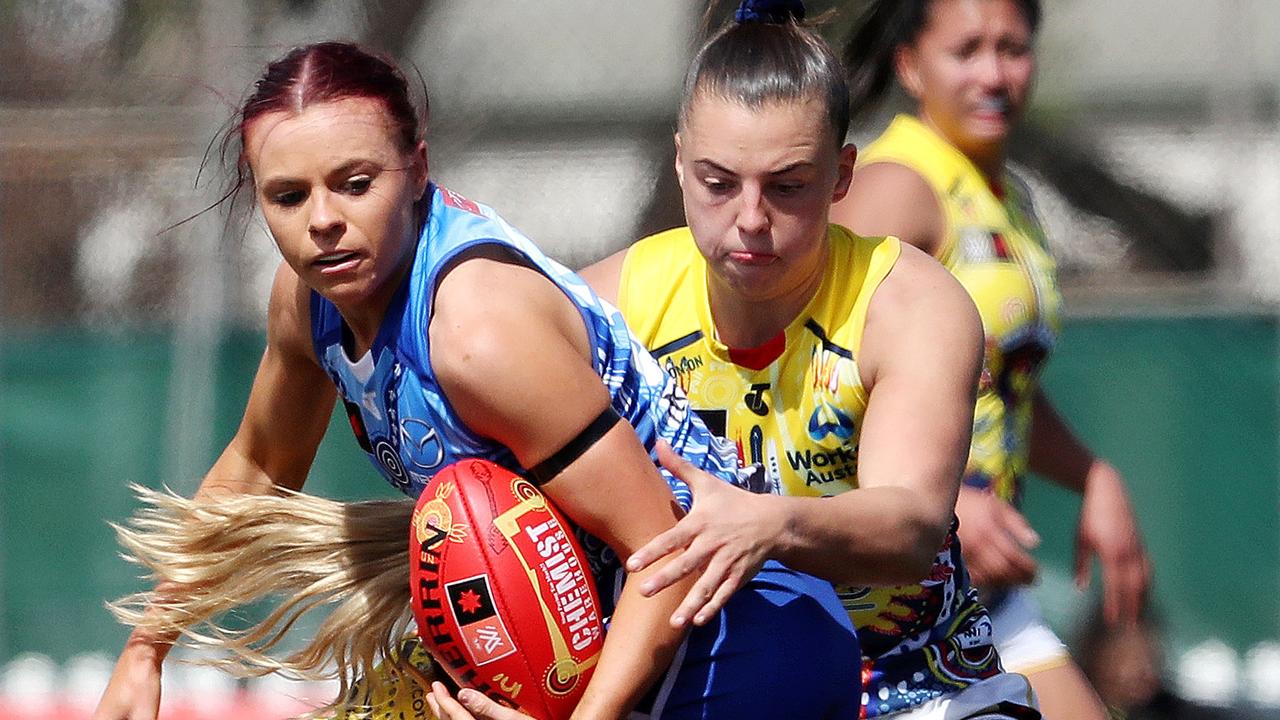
501,592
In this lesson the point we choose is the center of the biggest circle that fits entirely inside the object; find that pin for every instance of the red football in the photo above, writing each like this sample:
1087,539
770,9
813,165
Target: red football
502,592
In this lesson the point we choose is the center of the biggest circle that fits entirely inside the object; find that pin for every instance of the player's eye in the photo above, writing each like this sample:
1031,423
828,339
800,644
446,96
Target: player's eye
358,184
288,198
968,49
717,186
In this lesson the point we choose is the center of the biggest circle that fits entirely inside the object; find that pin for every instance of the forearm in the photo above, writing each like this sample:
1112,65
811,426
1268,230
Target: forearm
237,472
639,646
868,536
1056,453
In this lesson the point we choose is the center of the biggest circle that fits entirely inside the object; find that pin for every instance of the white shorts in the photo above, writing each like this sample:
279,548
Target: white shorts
1006,696
1024,640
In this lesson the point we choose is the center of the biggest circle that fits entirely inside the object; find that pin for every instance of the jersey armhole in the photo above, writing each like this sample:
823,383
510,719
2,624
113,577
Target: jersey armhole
883,257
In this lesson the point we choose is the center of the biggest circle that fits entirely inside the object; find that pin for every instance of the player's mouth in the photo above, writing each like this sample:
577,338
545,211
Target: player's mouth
751,258
336,262
994,108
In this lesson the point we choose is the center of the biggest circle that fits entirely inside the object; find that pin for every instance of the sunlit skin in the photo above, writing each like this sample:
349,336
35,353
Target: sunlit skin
337,191
970,70
758,184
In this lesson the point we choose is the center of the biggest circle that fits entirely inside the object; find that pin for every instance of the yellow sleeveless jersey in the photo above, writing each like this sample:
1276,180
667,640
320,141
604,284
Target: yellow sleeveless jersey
797,416
798,411
995,247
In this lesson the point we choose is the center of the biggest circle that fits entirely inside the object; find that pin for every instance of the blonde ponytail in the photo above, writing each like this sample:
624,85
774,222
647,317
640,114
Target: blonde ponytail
214,554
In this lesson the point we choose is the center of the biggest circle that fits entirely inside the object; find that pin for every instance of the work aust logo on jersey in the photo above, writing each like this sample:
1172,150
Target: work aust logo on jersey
829,426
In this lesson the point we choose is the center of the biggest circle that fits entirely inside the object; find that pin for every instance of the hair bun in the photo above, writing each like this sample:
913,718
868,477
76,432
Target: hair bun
775,12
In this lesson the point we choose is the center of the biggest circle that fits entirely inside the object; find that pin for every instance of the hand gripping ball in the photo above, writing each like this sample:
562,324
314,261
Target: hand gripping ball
502,593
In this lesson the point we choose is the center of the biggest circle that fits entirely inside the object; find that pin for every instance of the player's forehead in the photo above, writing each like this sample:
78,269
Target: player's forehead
328,132
954,20
776,134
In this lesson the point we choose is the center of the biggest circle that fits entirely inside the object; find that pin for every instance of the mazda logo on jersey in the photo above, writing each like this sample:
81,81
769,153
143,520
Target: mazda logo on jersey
422,444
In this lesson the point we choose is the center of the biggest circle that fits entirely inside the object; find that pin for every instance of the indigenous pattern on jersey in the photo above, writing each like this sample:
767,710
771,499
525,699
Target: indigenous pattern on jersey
994,245
799,413
401,417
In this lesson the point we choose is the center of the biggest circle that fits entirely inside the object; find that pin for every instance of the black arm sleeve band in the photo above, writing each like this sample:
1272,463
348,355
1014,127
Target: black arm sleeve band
544,471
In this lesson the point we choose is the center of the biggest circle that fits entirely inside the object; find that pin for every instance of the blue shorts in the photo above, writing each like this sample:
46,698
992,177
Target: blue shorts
783,646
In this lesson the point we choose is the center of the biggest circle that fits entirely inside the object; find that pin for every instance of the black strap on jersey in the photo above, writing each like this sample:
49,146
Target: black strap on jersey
543,472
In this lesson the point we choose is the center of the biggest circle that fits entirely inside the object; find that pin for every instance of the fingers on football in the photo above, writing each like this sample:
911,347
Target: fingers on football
444,706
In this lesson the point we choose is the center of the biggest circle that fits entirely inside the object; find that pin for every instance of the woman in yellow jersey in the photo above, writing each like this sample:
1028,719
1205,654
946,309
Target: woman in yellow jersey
937,178
844,365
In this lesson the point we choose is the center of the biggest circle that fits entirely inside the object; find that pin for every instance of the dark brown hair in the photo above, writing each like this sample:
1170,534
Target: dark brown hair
757,62
886,25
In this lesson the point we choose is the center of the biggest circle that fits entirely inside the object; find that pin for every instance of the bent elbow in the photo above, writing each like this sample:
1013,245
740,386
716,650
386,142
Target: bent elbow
928,537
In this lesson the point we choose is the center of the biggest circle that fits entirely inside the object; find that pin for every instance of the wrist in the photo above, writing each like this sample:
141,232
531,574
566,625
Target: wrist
145,649
784,534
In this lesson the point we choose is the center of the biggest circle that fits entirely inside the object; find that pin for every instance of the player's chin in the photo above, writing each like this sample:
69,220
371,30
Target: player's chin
991,128
752,280
342,291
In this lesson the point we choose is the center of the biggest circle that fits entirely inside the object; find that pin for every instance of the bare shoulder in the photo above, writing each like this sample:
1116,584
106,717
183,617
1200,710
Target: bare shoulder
486,301
887,198
920,305
509,349
918,282
605,276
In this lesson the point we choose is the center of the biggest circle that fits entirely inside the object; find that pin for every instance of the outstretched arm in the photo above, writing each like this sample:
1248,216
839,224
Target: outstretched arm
490,314
921,352
1108,526
285,419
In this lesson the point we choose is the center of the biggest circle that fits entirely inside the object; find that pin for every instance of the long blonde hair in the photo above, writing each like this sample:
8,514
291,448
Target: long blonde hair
212,554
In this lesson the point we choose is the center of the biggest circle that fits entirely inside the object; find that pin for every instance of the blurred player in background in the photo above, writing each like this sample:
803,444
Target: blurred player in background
938,179
845,365
447,335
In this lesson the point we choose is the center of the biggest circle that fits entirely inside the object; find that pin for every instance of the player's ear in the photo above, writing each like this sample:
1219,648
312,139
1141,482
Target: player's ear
679,165
844,176
906,64
421,167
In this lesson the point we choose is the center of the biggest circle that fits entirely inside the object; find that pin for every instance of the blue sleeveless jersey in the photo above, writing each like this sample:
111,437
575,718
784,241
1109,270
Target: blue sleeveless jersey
407,426
402,419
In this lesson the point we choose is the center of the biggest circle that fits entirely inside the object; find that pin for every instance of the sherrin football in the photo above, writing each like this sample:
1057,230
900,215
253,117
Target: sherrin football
502,593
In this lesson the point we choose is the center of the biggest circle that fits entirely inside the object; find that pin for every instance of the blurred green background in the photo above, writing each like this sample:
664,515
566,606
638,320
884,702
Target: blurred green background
1186,407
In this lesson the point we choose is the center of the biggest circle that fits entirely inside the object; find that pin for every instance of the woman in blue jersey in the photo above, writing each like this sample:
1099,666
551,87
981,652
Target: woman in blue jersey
448,334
